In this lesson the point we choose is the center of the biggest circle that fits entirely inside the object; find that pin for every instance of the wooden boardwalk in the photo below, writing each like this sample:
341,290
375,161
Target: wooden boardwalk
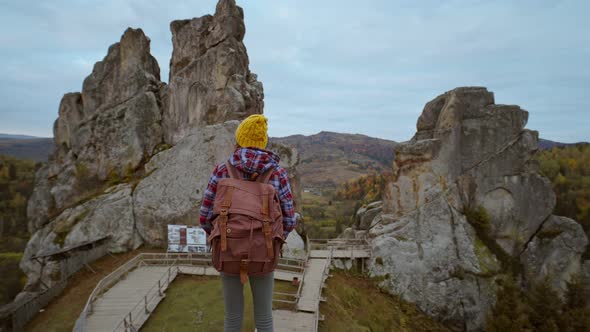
124,300
126,297
312,285
293,321
210,271
340,253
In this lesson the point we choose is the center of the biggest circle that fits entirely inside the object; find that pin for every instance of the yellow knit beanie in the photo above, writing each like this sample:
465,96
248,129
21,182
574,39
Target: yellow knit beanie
252,132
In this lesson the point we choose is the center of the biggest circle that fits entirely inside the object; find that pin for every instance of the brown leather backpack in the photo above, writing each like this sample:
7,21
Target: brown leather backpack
247,235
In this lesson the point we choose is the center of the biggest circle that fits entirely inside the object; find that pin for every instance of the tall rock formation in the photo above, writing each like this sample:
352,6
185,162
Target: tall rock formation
467,205
105,132
134,154
209,77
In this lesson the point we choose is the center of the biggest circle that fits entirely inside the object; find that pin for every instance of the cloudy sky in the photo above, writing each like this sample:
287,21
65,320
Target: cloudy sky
349,66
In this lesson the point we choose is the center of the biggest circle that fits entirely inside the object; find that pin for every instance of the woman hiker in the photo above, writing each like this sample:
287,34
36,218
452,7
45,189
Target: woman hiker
249,161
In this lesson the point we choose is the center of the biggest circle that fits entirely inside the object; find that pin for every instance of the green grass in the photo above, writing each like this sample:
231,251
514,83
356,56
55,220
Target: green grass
355,303
195,303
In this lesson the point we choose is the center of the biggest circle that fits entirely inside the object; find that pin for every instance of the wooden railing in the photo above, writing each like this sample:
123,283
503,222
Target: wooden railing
325,273
291,265
337,244
204,259
174,261
103,285
78,260
23,312
147,304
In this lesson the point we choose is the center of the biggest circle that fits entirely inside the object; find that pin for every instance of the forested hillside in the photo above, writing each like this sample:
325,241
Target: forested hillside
16,184
329,159
568,168
36,148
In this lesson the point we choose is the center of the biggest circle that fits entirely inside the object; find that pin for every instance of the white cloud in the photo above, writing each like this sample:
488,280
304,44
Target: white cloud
366,67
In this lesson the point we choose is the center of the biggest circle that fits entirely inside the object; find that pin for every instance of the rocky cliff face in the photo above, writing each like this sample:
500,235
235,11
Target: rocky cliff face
134,154
467,205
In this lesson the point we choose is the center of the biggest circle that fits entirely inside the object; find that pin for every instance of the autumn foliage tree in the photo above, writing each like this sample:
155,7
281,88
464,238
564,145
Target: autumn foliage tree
568,168
365,189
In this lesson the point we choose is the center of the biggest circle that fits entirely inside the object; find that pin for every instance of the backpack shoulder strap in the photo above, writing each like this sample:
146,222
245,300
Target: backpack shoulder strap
265,177
232,170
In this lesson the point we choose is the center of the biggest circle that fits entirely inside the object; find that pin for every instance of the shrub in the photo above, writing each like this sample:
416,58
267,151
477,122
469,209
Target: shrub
545,306
510,313
161,147
480,220
113,178
576,310
379,260
541,308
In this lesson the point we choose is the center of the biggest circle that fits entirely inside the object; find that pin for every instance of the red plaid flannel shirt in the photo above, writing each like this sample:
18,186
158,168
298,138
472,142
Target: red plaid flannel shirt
250,160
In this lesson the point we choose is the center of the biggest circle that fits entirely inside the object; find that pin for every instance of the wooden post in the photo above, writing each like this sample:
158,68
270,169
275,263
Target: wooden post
159,288
145,304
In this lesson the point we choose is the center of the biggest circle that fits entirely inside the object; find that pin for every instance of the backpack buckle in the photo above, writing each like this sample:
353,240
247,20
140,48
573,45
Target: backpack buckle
244,270
223,231
266,230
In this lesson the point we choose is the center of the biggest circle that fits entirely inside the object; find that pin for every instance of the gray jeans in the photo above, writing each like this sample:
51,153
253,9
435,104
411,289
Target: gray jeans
233,296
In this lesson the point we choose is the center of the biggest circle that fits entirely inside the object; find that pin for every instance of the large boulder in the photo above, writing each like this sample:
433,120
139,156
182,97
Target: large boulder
432,257
466,206
177,178
108,215
294,247
555,252
209,77
366,214
173,189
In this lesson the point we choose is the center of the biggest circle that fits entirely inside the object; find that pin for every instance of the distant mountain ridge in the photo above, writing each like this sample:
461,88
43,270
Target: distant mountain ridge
545,144
18,136
329,159
26,147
